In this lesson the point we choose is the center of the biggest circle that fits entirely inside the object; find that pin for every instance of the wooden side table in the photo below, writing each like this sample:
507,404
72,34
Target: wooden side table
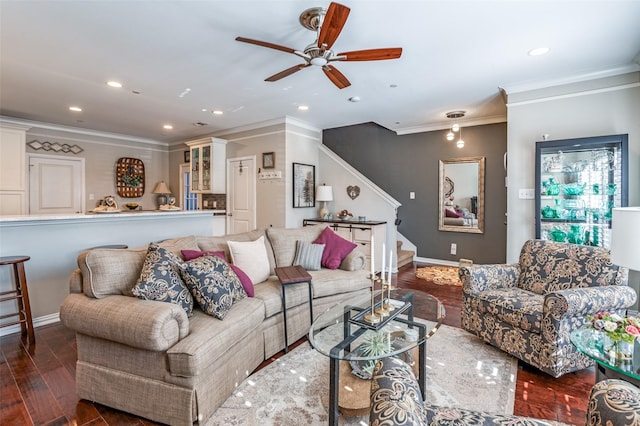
289,275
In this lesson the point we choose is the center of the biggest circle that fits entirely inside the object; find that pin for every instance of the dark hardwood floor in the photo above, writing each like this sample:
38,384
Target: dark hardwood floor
38,388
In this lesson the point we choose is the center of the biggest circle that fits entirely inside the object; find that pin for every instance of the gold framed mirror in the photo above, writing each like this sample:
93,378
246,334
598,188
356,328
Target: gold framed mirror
461,195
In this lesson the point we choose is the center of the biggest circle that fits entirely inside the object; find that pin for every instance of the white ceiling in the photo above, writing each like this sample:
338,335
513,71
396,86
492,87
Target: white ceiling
457,55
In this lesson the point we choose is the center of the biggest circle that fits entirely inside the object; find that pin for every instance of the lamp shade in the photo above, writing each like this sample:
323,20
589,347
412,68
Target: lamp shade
161,188
625,237
324,193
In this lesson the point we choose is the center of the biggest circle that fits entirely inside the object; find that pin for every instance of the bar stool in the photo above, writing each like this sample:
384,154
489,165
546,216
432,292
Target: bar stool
20,294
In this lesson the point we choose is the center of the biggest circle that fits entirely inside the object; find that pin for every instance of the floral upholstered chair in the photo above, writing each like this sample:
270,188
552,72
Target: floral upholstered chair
529,308
396,400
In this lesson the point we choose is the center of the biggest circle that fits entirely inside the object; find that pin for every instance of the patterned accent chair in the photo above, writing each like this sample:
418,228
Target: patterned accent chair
529,308
396,400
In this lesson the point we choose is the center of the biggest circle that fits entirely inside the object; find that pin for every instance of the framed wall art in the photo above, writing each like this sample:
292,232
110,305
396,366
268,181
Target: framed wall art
187,156
268,160
304,185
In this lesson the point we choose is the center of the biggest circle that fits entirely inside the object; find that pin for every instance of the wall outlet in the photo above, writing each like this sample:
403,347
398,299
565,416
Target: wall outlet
454,248
412,195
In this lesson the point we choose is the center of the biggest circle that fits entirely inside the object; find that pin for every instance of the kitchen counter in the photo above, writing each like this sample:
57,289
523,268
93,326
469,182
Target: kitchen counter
91,216
54,242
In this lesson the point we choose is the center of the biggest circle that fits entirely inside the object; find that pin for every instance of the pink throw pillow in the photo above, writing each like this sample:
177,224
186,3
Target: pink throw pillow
452,213
193,254
335,250
246,282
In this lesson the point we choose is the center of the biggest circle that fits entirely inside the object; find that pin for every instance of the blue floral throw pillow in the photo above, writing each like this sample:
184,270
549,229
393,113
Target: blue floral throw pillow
160,279
213,284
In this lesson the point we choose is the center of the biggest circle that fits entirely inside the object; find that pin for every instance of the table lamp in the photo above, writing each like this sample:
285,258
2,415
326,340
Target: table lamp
625,237
324,193
162,190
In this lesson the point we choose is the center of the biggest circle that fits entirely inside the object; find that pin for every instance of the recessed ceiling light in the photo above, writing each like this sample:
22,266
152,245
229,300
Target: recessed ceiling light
393,86
167,126
303,107
538,51
115,84
75,108
217,112
354,99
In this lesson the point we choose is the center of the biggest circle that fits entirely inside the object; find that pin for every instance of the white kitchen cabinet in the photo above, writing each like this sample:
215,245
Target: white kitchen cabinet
12,169
359,233
208,158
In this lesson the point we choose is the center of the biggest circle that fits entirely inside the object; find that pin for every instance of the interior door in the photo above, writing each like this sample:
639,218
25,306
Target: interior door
241,194
55,185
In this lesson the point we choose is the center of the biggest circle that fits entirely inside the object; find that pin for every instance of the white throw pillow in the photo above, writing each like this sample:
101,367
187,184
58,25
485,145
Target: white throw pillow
252,258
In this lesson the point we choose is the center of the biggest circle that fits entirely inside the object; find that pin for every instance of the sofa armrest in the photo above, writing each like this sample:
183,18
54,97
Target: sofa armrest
478,278
144,324
613,402
75,282
354,261
580,302
395,394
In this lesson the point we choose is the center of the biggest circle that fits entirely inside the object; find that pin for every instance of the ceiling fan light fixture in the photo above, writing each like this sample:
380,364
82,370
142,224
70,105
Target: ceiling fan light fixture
319,61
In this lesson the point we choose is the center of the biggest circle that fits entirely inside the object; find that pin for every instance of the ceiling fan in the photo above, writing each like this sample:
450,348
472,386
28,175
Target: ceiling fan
327,23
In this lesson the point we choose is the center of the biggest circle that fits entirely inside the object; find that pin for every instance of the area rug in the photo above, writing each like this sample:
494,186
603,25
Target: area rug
442,275
462,371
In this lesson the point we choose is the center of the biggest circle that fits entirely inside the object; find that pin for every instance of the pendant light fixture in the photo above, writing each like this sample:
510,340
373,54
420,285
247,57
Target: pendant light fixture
455,128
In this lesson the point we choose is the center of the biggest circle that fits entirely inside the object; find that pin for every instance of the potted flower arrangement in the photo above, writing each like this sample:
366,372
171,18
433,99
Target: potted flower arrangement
619,332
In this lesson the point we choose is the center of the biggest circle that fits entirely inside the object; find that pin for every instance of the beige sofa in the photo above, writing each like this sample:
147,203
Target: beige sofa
148,358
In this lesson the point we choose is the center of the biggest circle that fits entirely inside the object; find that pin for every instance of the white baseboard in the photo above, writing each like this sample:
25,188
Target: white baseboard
435,261
37,322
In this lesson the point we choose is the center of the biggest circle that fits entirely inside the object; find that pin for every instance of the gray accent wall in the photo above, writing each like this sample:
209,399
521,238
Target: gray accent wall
400,164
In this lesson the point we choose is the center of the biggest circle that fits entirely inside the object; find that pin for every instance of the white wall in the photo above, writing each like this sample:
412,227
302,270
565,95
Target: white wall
372,202
604,107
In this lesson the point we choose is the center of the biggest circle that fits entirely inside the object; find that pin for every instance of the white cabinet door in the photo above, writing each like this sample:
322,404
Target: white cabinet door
55,185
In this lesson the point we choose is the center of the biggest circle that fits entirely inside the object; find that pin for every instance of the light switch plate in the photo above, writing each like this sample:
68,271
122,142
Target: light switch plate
412,195
526,193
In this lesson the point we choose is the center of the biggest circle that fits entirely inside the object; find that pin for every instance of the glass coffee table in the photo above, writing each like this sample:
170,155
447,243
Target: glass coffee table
345,332
590,342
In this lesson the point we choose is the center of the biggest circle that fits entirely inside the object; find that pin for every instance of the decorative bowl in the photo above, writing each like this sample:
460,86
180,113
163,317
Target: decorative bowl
573,189
132,206
345,217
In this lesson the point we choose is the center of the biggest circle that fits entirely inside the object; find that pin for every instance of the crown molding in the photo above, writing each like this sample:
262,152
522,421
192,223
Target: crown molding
527,87
442,125
78,131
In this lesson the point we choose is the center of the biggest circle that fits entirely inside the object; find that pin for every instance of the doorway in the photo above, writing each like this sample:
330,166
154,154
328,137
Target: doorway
56,184
241,194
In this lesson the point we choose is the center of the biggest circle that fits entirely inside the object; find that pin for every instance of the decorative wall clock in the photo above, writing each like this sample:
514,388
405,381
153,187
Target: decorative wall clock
130,177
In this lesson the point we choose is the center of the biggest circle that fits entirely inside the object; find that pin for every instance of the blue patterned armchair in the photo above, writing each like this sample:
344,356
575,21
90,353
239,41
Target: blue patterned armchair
396,400
529,308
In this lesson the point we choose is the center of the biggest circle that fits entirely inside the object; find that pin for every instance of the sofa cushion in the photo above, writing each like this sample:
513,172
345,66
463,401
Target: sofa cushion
115,271
283,241
308,255
270,292
336,248
326,282
251,257
214,285
220,243
520,308
547,266
209,337
160,279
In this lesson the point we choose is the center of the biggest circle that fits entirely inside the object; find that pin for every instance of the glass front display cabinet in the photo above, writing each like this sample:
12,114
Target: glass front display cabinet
578,183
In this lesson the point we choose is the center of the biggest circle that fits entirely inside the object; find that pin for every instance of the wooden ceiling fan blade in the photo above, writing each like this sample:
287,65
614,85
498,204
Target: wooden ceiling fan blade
372,54
287,72
266,44
336,76
332,24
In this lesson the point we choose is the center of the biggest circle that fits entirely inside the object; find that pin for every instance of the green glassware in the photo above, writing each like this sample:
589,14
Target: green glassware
576,234
558,235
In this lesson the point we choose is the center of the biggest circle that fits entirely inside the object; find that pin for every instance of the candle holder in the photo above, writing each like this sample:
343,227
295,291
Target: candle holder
373,317
388,304
383,310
